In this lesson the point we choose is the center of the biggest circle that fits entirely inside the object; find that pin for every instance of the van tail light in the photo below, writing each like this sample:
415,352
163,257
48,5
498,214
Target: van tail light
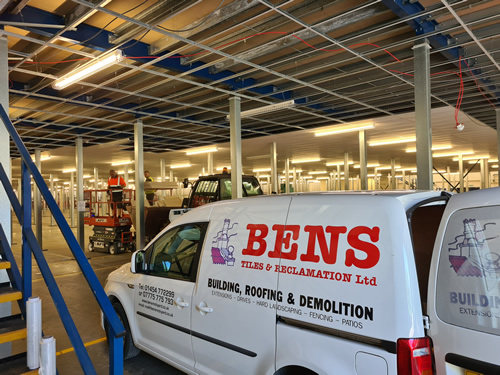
415,357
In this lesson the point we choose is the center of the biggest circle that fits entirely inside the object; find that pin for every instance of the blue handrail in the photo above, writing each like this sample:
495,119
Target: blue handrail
116,329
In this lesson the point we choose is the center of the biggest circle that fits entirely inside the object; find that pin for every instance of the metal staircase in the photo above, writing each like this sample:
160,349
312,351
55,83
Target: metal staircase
13,327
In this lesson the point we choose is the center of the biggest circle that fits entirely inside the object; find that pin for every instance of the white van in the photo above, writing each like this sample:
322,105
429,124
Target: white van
365,283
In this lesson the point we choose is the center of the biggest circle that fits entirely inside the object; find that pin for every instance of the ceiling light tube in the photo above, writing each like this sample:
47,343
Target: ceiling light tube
358,166
343,129
69,170
392,141
262,170
305,161
43,158
122,163
318,172
452,154
202,150
88,69
267,108
180,166
434,148
473,158
334,163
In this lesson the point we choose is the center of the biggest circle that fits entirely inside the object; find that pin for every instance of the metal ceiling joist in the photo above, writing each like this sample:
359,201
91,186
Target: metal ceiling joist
153,15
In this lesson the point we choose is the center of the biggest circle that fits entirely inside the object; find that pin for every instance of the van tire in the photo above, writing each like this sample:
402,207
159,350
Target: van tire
295,370
129,349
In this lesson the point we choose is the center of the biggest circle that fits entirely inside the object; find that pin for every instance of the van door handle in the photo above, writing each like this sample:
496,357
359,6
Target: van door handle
179,302
204,309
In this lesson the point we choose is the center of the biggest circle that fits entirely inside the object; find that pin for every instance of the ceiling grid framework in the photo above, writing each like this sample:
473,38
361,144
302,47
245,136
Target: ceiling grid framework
340,61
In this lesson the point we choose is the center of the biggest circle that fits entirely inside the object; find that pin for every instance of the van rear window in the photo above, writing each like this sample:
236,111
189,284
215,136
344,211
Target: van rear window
468,290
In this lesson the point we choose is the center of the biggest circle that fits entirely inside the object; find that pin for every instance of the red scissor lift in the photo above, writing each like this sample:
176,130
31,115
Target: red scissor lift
111,233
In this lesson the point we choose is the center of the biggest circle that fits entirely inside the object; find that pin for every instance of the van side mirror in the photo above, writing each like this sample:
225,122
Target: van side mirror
137,262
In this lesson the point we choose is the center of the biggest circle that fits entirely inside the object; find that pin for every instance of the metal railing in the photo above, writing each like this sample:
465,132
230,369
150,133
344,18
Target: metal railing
30,246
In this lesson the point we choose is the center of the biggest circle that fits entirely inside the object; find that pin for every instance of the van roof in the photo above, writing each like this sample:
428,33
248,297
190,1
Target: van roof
407,197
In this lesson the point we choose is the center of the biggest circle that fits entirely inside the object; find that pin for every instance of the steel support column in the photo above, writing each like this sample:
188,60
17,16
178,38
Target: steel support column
461,172
38,201
54,194
498,140
423,115
139,184
481,174
274,169
80,232
72,198
393,174
346,171
125,174
235,133
287,175
363,169
210,163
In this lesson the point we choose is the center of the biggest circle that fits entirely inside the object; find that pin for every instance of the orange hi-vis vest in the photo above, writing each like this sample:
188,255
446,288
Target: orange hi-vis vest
116,184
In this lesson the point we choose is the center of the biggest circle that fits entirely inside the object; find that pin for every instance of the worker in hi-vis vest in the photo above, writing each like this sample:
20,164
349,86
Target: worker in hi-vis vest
150,194
115,188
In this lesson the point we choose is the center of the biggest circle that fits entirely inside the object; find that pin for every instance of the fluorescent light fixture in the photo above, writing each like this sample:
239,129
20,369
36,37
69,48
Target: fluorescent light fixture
392,141
202,150
264,176
88,69
267,108
263,170
131,181
322,178
122,163
373,175
180,166
87,176
92,180
55,179
343,129
69,170
123,172
452,154
358,166
436,172
307,177
434,148
291,171
494,166
473,157
318,172
335,163
314,181
42,158
386,168
305,161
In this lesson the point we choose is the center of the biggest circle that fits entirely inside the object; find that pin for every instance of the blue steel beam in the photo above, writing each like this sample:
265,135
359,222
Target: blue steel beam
422,25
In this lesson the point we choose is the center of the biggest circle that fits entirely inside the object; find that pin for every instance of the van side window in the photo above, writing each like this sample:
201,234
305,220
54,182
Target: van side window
468,278
176,253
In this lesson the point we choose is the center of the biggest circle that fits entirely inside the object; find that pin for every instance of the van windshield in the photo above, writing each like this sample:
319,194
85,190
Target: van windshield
250,185
468,283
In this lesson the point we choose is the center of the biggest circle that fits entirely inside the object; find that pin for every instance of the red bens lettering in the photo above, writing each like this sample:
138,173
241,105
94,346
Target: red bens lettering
317,235
372,251
284,240
254,238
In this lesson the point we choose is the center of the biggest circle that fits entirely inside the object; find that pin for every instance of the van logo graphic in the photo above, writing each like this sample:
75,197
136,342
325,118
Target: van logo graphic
222,252
471,254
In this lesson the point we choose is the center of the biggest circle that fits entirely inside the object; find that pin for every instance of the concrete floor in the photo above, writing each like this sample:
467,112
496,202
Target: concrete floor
83,308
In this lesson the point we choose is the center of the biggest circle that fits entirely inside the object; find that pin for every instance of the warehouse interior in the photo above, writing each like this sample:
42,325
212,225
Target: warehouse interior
309,75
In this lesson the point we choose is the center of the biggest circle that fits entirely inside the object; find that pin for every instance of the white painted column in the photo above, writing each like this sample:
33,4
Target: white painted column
79,195
294,176
486,174
274,169
461,172
72,198
139,184
235,141
422,81
210,163
363,169
125,174
481,174
54,194
393,174
38,201
346,171
287,175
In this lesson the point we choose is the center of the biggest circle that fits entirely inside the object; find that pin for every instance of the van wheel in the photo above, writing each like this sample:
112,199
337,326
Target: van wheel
112,249
295,370
129,349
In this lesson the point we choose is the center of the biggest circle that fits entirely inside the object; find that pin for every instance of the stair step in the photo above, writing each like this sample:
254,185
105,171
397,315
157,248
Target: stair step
12,329
9,294
4,265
